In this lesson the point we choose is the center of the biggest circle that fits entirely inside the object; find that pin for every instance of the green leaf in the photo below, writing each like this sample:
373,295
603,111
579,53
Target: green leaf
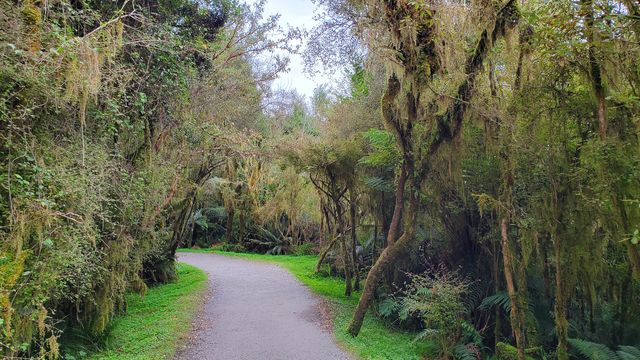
593,351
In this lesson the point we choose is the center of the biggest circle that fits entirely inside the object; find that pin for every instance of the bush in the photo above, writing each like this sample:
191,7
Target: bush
304,249
437,299
231,247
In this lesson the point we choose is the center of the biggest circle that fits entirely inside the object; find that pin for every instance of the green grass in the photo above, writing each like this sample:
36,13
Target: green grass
376,340
153,327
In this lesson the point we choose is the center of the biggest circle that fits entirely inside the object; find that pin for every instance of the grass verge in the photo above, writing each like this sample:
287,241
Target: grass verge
153,327
376,340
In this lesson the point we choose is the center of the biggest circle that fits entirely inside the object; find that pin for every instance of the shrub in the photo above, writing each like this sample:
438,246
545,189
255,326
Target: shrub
231,247
437,299
304,249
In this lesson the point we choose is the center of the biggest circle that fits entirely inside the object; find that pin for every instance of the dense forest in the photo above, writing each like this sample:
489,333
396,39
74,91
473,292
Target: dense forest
474,178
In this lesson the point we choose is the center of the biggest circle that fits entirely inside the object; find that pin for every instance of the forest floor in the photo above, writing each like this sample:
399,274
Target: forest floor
265,291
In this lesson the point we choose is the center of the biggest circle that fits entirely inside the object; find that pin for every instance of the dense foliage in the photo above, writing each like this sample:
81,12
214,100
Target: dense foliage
112,115
515,165
478,165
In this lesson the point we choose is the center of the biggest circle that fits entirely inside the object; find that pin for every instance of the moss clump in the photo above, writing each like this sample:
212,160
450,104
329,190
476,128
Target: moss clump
508,352
31,14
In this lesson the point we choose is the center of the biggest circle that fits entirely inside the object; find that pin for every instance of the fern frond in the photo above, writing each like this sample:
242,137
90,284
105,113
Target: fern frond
471,333
593,351
466,352
425,334
389,307
628,352
500,299
378,183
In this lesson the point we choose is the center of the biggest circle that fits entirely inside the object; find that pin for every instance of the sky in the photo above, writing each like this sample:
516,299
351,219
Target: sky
296,13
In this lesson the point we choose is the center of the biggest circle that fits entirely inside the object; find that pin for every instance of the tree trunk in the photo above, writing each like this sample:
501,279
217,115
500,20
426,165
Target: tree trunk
396,219
375,239
562,325
595,69
343,244
384,224
347,267
387,258
242,226
634,259
323,253
322,233
188,205
354,240
515,314
167,200
229,227
180,226
497,330
192,229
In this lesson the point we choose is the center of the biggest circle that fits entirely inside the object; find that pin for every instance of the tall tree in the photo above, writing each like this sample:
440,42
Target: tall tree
416,63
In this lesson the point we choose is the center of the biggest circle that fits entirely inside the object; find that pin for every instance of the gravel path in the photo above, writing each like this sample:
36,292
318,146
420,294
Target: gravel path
256,311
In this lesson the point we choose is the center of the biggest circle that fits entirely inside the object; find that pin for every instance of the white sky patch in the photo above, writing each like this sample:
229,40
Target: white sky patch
295,13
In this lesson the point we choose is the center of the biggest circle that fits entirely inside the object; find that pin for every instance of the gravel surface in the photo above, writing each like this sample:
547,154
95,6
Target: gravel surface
256,311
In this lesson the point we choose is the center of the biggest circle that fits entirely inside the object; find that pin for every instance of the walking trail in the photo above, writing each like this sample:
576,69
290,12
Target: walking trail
256,311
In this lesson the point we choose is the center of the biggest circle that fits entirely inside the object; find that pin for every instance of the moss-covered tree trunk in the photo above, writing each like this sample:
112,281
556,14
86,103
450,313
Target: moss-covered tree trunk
595,70
228,230
354,238
517,324
497,330
560,309
388,257
516,291
324,252
396,219
242,223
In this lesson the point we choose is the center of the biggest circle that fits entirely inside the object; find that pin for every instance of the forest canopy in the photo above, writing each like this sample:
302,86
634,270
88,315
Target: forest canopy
474,179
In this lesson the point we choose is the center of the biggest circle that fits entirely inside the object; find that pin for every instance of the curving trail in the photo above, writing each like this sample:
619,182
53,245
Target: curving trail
256,311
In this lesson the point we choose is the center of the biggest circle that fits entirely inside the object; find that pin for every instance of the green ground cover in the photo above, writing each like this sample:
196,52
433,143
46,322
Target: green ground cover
154,326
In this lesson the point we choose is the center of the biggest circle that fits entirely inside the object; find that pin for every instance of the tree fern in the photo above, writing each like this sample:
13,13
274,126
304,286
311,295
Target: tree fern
474,296
628,353
426,334
500,299
466,352
471,333
378,183
384,151
593,351
389,307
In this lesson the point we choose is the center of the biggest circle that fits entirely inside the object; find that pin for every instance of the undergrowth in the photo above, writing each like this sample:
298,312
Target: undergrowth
153,327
